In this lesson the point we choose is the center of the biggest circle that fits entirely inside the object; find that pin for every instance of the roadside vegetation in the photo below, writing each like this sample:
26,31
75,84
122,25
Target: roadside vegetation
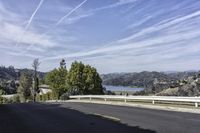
80,79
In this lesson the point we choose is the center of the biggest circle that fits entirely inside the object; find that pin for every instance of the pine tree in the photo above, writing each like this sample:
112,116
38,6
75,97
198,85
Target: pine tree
35,66
25,86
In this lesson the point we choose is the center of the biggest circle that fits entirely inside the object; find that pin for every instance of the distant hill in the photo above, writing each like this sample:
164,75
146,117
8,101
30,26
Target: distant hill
10,73
153,82
182,75
134,79
9,77
159,83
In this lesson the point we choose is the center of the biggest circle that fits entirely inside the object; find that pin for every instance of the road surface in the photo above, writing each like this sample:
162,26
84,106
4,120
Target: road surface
93,118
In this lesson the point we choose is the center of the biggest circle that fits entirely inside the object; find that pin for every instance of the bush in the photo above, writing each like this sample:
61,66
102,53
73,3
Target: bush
64,96
5,100
49,96
109,92
1,100
44,97
16,99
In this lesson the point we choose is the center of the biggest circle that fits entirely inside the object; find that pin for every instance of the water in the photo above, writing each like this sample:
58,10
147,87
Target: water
122,88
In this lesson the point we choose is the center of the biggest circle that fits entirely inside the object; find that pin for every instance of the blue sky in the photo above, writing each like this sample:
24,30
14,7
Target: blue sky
111,35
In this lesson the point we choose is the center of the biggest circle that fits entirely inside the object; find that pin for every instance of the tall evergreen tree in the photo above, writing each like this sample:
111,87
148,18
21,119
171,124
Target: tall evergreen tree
25,86
35,66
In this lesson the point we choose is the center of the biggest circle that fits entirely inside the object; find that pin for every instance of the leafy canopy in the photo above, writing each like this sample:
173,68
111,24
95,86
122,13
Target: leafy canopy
81,79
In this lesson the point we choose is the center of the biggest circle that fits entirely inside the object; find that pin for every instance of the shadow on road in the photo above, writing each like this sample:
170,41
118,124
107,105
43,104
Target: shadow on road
53,118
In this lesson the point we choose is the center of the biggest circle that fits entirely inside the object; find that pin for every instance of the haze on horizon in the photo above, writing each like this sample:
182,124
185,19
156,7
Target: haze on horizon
111,35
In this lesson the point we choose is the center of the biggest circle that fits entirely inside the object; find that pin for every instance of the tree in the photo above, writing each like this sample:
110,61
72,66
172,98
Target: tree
25,86
62,64
56,79
84,79
93,82
75,79
80,80
35,66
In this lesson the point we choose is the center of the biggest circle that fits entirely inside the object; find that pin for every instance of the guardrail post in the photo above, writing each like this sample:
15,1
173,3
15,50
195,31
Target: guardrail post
90,99
105,99
125,100
196,105
153,102
79,98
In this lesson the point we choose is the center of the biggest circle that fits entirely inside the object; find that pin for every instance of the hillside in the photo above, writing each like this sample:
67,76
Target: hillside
10,73
186,87
153,82
9,77
159,83
141,79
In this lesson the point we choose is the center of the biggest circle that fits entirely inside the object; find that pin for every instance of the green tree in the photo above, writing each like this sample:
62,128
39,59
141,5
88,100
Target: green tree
35,66
56,79
75,79
84,79
80,80
93,82
25,86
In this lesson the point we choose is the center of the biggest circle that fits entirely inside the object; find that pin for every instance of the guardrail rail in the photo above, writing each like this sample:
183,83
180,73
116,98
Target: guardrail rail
153,99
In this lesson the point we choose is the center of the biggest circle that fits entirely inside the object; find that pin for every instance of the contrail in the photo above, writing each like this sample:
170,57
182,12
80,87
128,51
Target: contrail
68,14
62,18
29,21
32,16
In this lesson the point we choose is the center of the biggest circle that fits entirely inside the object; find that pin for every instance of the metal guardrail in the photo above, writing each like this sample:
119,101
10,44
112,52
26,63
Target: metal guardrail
153,99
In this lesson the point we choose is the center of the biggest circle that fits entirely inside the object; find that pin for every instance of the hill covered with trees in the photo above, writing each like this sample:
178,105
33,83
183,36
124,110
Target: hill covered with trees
153,82
9,78
11,73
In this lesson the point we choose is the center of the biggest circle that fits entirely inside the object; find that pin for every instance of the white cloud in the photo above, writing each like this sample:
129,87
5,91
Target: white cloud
75,19
61,20
29,22
160,26
157,45
116,4
138,53
166,39
6,15
139,23
13,32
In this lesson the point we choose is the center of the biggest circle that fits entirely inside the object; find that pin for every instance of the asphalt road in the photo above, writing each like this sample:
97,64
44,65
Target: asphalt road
93,118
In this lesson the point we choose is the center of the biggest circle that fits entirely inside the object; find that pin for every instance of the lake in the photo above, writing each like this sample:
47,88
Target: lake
122,88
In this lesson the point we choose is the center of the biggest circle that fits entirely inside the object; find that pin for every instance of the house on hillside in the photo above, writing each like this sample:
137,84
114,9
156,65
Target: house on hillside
44,89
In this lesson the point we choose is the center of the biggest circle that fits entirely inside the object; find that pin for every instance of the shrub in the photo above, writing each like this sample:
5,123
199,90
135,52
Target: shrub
49,96
1,100
109,92
4,100
64,96
16,99
44,97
